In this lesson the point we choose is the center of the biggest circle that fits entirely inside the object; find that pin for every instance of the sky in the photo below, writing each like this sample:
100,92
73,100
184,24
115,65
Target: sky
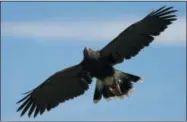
40,38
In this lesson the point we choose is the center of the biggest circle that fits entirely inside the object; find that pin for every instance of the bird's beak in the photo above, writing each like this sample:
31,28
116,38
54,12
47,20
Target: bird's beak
88,50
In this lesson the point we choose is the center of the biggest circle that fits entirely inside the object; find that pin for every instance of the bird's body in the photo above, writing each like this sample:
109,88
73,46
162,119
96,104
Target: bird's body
110,82
95,65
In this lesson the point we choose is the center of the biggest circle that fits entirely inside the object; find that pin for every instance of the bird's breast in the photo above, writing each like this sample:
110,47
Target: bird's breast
99,69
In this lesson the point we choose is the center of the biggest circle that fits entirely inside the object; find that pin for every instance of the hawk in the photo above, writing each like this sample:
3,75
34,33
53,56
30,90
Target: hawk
110,82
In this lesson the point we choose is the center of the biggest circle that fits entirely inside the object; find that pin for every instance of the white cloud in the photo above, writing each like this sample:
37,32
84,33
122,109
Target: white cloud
88,30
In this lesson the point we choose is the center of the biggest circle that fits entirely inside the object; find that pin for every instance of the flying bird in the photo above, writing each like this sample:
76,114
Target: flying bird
110,82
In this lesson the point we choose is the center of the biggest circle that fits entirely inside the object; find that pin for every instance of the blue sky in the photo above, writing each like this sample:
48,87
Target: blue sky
40,38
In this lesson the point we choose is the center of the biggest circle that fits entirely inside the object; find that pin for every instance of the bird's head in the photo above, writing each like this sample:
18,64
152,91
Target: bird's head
89,53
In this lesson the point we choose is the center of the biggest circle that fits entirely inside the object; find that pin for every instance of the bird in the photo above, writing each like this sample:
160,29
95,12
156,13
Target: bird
74,81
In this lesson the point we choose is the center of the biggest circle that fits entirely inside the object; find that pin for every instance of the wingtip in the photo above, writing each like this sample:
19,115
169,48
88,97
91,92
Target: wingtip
26,92
26,97
175,10
17,110
164,6
164,9
34,116
21,114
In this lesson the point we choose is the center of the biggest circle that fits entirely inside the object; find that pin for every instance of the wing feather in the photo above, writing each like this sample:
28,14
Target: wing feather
138,35
58,88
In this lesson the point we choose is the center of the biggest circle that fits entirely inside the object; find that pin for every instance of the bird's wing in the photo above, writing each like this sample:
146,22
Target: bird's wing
138,35
63,85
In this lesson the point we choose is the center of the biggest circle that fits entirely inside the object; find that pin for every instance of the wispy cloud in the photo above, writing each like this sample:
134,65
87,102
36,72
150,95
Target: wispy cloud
88,30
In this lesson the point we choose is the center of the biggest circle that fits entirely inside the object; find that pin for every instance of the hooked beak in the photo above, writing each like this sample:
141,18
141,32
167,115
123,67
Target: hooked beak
88,50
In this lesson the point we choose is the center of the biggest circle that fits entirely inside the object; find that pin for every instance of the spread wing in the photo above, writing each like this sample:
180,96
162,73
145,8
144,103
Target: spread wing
61,86
138,35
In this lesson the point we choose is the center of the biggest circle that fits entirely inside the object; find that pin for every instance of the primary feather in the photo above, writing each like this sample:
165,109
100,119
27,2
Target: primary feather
61,86
138,35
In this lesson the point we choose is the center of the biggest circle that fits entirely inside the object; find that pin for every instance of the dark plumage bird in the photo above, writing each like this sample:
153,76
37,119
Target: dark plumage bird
74,81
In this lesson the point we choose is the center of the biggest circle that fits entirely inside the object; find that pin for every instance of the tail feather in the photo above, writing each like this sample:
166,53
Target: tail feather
107,93
125,82
126,85
130,77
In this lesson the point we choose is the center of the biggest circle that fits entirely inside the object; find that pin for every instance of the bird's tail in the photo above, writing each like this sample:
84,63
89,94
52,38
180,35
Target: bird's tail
126,85
121,89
